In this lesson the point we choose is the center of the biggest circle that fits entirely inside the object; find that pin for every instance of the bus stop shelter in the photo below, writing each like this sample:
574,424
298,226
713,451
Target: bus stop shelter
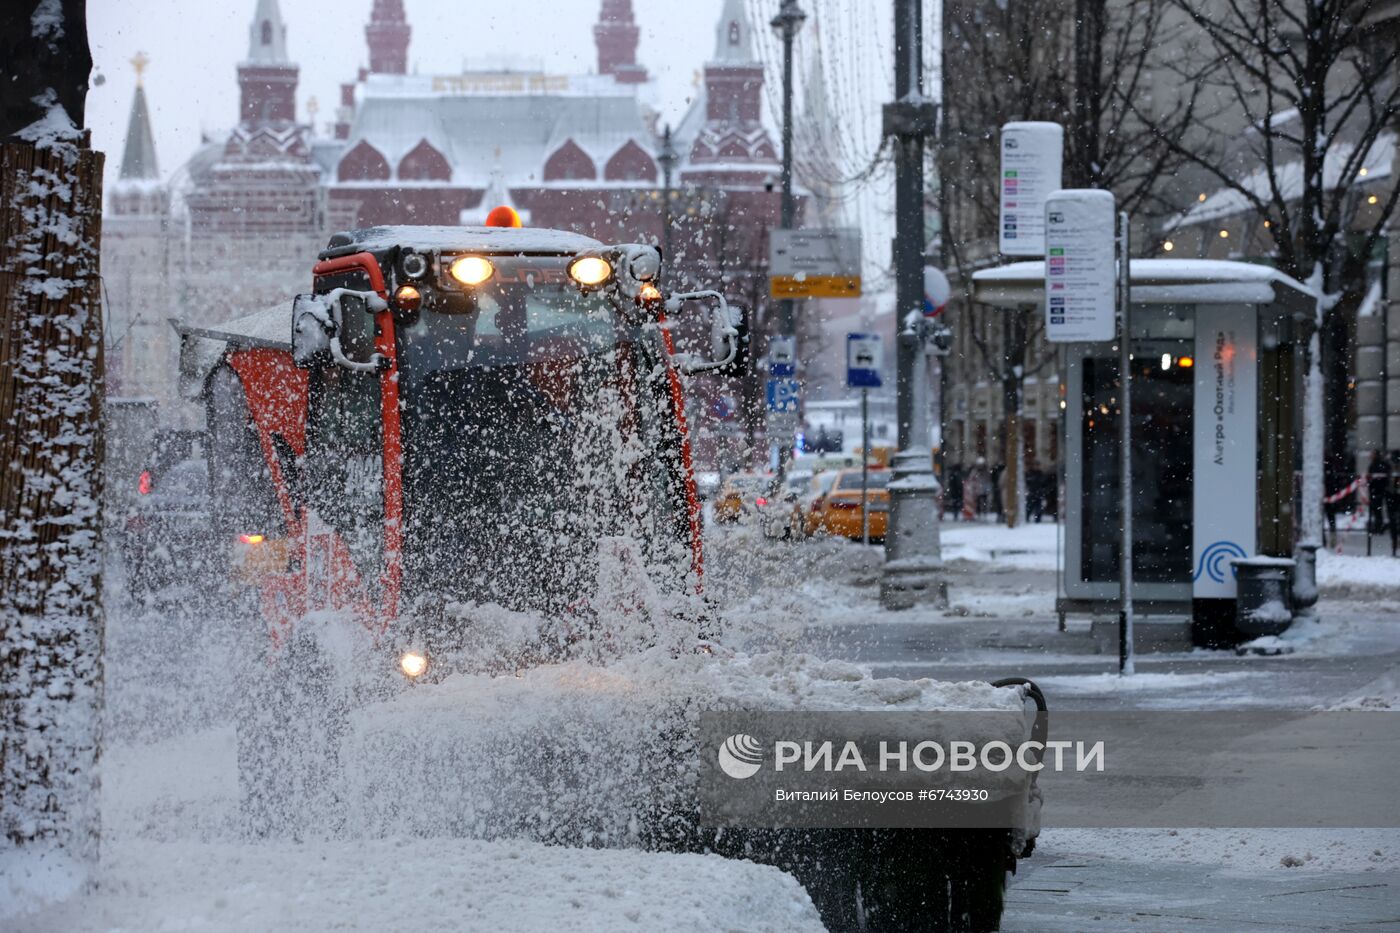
1216,424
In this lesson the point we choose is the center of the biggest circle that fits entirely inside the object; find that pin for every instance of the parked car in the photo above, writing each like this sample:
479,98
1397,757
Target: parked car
169,535
836,510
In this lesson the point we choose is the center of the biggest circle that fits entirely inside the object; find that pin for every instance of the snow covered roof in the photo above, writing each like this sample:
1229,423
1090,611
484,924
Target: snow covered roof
474,239
1155,281
397,112
270,327
1227,202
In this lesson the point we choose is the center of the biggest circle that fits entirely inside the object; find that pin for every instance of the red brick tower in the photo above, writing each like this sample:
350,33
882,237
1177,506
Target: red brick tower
616,36
732,146
387,34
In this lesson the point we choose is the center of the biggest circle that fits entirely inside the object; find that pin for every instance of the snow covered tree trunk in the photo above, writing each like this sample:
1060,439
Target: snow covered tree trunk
1314,417
51,365
1310,523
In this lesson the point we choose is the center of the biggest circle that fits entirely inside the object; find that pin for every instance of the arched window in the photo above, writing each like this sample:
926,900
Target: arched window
267,32
363,163
630,163
570,163
424,163
733,32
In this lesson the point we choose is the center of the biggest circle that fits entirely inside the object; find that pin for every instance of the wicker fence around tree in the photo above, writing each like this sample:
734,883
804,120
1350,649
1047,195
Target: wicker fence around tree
51,368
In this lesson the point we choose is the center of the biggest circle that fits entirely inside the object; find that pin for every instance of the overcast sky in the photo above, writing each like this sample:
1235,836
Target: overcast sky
195,46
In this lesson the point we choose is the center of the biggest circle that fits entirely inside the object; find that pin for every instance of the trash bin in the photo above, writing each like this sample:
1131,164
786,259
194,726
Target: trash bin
1264,600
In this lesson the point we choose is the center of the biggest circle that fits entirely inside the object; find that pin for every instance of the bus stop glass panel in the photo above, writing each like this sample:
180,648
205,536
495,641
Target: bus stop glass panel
1163,387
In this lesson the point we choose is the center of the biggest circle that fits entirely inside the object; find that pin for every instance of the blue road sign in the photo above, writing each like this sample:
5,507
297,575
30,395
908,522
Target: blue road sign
782,356
783,395
864,356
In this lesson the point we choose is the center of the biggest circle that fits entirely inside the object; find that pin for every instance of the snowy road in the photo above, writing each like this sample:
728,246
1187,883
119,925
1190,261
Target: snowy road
170,777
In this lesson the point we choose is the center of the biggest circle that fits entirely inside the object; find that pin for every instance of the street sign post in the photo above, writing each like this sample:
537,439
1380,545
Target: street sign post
1080,285
1032,157
1079,274
814,263
1125,461
783,395
782,356
864,359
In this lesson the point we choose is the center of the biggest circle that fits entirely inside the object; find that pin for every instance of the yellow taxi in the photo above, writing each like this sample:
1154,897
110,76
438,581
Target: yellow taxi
741,494
833,504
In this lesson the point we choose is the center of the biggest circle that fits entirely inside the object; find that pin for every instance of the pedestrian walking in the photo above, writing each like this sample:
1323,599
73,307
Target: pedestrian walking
1392,503
1035,492
975,489
1378,482
953,490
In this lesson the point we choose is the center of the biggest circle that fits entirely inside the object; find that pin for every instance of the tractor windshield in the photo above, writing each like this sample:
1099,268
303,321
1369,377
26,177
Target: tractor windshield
534,447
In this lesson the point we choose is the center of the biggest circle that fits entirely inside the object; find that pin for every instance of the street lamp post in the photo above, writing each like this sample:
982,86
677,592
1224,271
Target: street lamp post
668,159
787,24
913,570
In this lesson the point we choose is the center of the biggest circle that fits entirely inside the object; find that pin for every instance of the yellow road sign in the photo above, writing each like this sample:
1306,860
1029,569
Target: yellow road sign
814,286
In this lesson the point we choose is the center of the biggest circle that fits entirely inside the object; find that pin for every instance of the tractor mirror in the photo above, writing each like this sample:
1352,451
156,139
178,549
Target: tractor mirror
728,335
317,327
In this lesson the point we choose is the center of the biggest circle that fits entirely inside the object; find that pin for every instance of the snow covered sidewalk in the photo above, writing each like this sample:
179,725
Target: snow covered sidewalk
1358,577
383,885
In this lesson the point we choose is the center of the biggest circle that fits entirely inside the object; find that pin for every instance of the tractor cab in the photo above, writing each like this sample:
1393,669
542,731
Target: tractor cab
492,415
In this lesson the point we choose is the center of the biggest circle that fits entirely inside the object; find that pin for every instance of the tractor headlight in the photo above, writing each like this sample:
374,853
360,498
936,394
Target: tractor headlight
413,664
590,271
471,270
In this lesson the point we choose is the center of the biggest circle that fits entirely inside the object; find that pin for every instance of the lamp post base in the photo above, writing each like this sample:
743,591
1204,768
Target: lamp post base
905,589
913,571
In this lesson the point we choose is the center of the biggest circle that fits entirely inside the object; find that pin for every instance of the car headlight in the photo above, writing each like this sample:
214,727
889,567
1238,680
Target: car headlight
413,664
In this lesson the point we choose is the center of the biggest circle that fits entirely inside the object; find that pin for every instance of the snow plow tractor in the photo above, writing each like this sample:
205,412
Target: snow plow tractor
468,425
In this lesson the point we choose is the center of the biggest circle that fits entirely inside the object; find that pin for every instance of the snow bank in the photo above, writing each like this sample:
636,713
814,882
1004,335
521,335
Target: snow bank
1350,575
586,755
772,681
376,885
33,878
1026,547
1154,690
1117,683
774,592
